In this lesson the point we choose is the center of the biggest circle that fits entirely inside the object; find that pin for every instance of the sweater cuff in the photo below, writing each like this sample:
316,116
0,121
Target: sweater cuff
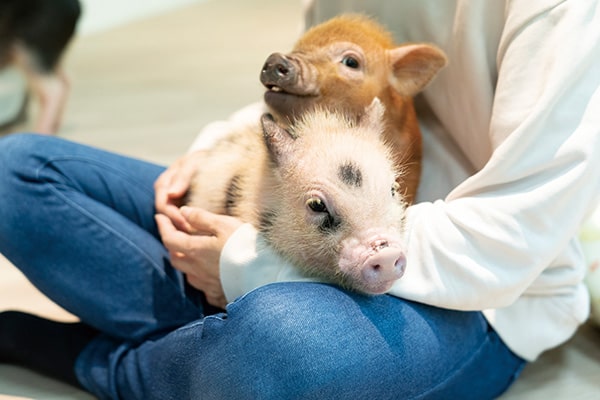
247,262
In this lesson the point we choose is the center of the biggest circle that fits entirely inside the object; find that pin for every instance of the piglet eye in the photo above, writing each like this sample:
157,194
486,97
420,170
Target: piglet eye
395,189
316,204
350,62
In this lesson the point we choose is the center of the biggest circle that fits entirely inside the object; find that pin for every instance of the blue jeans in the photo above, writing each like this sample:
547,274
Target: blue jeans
78,222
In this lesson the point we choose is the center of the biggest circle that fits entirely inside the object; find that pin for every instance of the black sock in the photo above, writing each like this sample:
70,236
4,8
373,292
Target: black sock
45,346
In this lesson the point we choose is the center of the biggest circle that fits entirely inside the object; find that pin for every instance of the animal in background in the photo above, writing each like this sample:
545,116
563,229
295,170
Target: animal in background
343,64
33,37
323,192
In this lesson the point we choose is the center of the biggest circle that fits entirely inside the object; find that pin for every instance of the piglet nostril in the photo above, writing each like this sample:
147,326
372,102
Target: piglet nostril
386,264
282,71
400,265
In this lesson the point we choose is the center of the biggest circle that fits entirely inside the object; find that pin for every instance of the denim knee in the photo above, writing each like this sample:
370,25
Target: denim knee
16,149
319,341
19,142
309,341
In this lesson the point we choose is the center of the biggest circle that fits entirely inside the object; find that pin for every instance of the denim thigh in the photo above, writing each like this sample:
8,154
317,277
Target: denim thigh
299,340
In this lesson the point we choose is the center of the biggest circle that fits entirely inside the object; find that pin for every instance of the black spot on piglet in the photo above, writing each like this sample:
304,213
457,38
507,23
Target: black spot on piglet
329,224
233,195
350,174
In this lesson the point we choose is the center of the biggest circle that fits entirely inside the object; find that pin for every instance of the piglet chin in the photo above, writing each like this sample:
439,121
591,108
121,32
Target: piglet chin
379,288
286,104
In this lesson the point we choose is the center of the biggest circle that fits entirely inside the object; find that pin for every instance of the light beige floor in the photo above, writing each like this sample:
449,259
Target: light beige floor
145,89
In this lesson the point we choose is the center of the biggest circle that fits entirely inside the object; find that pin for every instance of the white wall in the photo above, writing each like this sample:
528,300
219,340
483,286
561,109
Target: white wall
99,15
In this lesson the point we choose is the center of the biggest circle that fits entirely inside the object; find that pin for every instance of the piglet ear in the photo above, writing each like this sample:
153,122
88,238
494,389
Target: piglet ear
413,66
278,140
372,119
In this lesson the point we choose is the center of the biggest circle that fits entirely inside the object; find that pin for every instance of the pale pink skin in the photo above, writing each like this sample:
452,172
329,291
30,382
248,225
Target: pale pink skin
373,260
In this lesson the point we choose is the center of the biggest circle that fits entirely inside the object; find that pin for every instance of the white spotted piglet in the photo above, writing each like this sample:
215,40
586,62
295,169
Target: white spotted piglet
323,192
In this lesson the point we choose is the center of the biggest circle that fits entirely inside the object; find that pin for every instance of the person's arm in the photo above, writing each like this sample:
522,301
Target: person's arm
248,262
244,119
497,231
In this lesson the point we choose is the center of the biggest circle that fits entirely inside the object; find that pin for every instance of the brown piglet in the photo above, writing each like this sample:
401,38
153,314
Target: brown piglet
343,64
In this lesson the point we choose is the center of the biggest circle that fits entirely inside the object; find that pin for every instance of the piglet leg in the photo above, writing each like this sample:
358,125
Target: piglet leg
51,90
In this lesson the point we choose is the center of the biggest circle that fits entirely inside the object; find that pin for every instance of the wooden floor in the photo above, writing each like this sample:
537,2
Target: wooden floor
146,89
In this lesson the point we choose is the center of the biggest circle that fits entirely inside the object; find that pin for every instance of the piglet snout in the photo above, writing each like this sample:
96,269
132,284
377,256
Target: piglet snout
278,71
383,267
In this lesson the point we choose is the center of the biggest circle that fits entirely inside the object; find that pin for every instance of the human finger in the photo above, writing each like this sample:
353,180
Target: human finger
202,220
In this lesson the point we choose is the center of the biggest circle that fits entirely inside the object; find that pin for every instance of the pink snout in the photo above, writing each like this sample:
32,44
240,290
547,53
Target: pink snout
383,267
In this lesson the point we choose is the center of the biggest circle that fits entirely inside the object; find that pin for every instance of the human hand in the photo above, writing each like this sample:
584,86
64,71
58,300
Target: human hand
196,251
172,185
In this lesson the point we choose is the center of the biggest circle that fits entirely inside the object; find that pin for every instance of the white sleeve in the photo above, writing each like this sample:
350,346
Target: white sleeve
500,229
247,263
248,116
